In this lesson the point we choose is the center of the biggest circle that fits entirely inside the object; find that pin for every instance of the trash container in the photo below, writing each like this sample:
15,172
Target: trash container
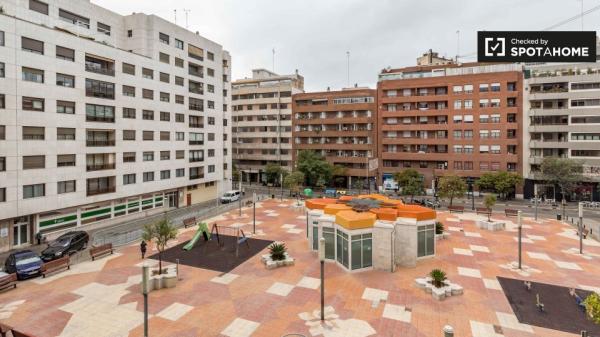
558,217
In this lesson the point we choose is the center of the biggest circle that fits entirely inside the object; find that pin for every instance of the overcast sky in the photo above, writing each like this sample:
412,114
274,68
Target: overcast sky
314,35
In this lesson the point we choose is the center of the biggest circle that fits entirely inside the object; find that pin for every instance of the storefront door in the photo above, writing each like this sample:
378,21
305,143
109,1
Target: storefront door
20,233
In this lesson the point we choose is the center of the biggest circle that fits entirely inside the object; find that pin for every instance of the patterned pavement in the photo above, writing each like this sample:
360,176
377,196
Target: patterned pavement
102,298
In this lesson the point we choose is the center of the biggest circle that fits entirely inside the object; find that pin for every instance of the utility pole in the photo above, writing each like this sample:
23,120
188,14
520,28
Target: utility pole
145,280
535,195
187,11
520,223
322,260
580,228
254,213
241,195
281,185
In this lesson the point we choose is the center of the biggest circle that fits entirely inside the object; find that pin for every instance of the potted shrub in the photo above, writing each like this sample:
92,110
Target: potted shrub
592,307
439,228
489,201
277,251
160,232
438,277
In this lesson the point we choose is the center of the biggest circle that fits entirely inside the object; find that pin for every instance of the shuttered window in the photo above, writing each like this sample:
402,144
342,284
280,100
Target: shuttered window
34,162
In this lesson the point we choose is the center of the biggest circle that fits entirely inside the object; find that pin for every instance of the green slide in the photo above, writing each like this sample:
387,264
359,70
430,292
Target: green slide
202,228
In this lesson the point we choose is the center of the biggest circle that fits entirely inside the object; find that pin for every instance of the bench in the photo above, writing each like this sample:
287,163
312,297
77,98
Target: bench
456,209
584,232
189,222
483,211
511,212
59,264
101,250
8,281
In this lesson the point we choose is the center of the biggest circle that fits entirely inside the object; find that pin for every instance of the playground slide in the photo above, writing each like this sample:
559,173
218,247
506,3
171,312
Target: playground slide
202,227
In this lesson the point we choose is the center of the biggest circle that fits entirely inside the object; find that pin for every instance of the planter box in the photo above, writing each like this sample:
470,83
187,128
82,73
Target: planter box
272,264
491,225
449,289
166,280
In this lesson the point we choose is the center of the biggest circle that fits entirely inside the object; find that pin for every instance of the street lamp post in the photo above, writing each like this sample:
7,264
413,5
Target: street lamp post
254,213
580,228
535,195
241,195
281,184
520,223
470,182
322,260
145,277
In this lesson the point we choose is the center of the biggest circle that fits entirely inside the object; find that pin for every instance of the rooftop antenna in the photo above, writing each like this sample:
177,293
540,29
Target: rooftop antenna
273,60
175,11
348,67
186,17
457,44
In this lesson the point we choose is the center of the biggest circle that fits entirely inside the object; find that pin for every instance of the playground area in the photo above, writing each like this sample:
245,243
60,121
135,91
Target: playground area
102,298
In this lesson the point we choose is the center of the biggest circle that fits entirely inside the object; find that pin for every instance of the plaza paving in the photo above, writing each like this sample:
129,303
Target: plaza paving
102,298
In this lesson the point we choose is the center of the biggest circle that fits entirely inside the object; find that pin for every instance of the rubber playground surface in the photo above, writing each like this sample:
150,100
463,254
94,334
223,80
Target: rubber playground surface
211,255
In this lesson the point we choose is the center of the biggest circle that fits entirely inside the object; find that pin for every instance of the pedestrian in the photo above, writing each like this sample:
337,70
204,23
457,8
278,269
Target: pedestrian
143,248
38,237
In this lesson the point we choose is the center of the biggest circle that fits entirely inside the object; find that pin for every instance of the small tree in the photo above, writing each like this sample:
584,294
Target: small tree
565,173
505,183
273,172
489,201
451,187
438,277
160,232
294,181
411,182
317,171
592,307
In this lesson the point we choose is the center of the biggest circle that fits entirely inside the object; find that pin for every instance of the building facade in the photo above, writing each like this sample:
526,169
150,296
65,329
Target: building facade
562,119
262,122
460,119
105,118
342,127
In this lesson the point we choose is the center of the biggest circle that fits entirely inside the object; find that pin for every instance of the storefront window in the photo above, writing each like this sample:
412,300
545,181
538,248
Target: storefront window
425,240
329,236
342,248
362,251
315,236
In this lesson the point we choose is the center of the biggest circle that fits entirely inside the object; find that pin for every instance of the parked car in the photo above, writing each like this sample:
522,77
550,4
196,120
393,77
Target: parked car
230,196
65,244
25,263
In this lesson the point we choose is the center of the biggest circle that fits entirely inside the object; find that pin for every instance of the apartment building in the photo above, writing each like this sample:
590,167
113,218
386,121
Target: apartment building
562,119
262,122
341,126
461,119
105,118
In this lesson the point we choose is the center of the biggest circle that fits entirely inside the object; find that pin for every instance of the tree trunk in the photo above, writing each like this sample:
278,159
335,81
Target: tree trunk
452,197
159,262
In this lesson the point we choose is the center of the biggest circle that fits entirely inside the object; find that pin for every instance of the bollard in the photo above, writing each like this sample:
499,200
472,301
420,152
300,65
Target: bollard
584,333
448,331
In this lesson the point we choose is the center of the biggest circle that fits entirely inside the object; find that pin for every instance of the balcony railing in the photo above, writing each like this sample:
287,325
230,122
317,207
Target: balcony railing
92,67
105,119
196,125
195,160
196,142
197,176
99,167
109,189
104,142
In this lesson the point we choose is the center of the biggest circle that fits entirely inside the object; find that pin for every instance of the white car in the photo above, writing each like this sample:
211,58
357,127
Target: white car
230,196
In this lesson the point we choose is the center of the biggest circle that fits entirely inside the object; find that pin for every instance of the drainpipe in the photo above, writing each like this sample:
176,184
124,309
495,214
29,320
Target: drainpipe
392,236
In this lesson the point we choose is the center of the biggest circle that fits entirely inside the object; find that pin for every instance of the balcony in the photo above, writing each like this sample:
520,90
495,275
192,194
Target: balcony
196,125
99,65
103,190
103,119
100,167
196,142
100,142
101,185
196,160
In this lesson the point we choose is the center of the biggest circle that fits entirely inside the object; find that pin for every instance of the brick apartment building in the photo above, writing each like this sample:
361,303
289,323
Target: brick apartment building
341,126
462,119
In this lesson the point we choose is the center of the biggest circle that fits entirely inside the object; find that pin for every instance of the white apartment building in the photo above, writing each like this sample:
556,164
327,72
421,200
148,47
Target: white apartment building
562,119
262,122
105,118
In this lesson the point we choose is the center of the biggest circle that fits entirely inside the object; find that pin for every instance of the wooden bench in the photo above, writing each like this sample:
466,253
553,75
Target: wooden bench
63,263
456,209
511,212
585,232
483,211
101,250
8,281
189,222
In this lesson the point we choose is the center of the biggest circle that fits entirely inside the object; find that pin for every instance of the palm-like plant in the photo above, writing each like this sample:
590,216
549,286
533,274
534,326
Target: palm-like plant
160,232
277,251
438,276
439,228
363,205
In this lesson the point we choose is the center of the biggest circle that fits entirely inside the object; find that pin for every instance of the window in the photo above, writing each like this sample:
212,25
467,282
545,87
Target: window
164,38
495,149
178,44
484,166
211,137
99,113
179,154
63,160
2,164
179,99
468,134
457,89
484,148
468,118
210,56
128,134
165,97
65,53
495,86
65,133
195,87
166,174
211,168
211,153
179,81
148,135
468,165
165,135
210,104
179,136
484,118
148,73
495,134
74,18
103,28
195,104
34,162
211,89
129,33
129,179
38,6
148,94
66,186
32,45
495,118
128,69
129,113
129,157
165,155
164,77
483,87
457,134
425,240
195,52
148,156
148,176
180,172
65,80
128,91
32,104
2,101
34,191
1,38
148,114
179,118
468,104
210,72
165,116
196,138
458,104
2,70
164,58
2,132
32,75
179,62
100,89
100,185
196,172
